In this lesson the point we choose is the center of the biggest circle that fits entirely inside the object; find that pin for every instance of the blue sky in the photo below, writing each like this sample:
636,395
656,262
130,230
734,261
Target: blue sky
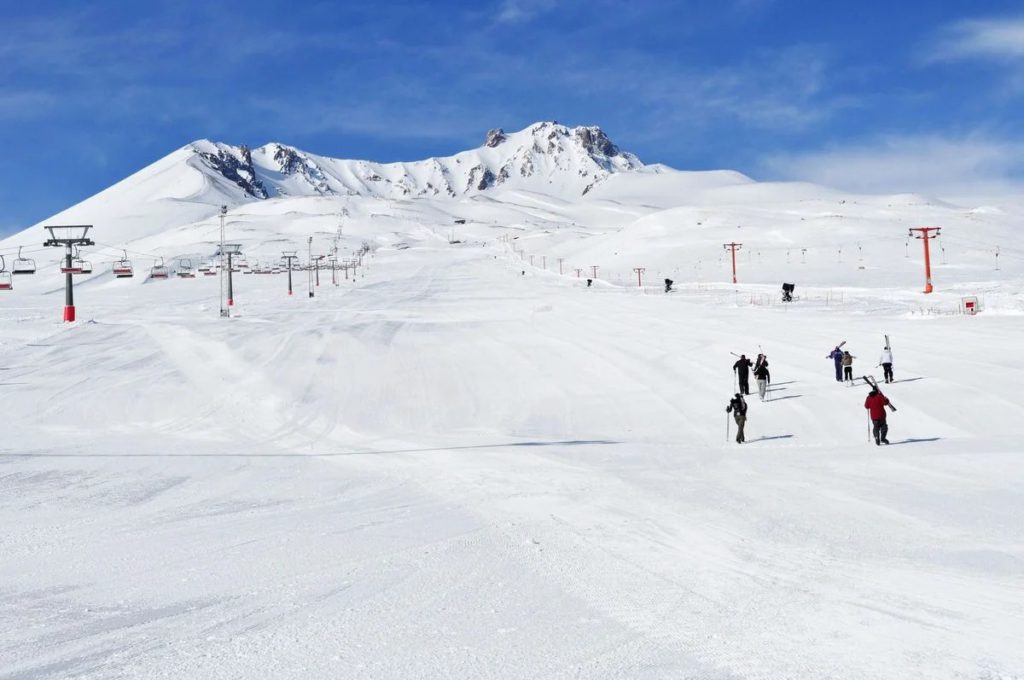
874,96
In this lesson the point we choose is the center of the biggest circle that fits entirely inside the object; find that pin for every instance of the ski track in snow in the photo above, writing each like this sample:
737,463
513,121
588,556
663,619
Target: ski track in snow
449,469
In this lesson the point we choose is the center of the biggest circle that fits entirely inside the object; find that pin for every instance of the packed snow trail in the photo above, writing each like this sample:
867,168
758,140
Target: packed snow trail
449,469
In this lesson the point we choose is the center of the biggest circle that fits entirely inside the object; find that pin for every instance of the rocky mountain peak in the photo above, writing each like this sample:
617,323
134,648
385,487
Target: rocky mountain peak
546,156
235,165
494,137
595,141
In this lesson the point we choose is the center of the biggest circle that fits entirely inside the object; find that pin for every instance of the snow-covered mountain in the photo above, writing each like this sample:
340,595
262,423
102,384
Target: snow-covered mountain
565,194
191,183
545,156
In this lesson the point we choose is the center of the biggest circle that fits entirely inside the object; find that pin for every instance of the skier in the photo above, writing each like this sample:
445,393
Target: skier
762,375
742,370
875,404
848,366
738,408
668,285
836,355
886,363
589,282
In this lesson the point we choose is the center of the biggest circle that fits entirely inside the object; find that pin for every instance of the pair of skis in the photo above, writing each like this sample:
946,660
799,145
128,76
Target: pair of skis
870,380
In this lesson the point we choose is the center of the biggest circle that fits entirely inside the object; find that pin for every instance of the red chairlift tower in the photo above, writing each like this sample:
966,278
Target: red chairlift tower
290,257
734,247
926,235
229,249
69,236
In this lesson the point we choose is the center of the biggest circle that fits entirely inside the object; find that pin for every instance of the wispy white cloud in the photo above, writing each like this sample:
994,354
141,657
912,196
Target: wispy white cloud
21,104
520,11
980,38
962,169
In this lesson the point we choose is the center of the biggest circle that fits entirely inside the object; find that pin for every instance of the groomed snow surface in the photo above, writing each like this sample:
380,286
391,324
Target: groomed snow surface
452,469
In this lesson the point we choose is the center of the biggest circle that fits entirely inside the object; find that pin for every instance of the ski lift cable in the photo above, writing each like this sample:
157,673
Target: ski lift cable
122,249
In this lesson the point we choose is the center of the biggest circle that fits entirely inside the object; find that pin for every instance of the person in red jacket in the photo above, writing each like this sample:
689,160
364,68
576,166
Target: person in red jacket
875,404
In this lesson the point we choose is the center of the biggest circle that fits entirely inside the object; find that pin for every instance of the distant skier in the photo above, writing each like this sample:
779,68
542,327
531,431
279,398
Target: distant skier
836,356
762,375
886,362
738,408
589,282
848,366
668,285
875,404
742,370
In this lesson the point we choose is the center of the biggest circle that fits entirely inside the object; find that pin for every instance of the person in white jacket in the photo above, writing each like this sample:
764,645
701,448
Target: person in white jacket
886,362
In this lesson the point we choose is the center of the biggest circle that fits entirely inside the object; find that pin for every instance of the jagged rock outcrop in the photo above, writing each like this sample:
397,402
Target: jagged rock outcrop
291,162
238,169
494,137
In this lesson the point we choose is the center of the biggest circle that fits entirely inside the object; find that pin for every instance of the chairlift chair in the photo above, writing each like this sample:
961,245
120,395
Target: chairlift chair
123,268
84,266
5,276
207,268
23,265
159,271
74,268
185,270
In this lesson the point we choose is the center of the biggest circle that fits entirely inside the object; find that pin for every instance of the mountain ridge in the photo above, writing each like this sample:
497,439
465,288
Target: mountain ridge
569,160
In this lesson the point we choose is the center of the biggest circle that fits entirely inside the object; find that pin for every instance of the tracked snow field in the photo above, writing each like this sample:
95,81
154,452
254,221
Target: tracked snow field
452,469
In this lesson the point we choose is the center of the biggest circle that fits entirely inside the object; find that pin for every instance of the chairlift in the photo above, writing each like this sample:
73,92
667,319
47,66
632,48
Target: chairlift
207,268
185,270
23,265
78,265
5,276
74,267
123,268
159,271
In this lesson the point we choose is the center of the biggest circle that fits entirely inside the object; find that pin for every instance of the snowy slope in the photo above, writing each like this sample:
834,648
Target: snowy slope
448,469
464,462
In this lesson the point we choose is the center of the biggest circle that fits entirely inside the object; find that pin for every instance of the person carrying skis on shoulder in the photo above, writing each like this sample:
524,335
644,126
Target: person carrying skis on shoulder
848,366
742,370
836,356
762,375
738,407
886,362
875,404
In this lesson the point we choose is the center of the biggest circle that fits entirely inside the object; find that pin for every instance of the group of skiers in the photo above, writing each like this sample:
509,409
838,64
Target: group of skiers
742,369
844,364
875,403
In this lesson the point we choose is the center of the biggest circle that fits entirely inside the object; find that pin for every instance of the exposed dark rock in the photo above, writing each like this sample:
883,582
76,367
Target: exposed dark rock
494,137
595,141
240,172
480,178
291,163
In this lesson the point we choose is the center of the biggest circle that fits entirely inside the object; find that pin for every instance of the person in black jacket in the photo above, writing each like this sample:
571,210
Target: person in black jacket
742,370
762,375
738,408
